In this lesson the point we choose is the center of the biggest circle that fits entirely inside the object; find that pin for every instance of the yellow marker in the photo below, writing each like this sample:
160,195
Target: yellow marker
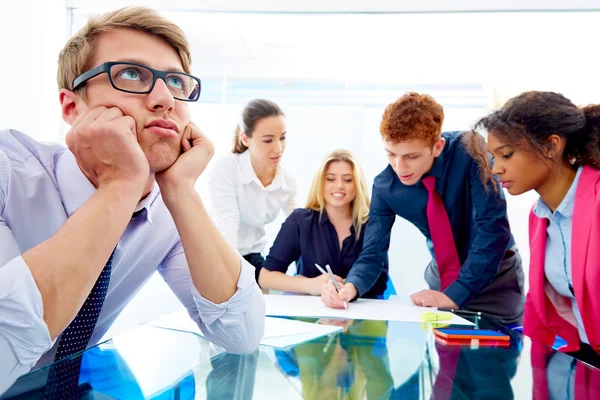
433,316
426,326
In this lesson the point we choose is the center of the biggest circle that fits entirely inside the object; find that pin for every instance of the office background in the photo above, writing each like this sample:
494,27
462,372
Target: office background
332,66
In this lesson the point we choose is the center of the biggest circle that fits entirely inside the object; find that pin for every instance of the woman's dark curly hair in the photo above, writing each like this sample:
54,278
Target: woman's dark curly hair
530,118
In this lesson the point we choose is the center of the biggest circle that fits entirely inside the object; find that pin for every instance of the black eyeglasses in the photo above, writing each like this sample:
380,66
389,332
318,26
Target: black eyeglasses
137,78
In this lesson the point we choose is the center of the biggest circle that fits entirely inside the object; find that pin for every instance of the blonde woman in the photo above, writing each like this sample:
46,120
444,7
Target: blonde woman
329,231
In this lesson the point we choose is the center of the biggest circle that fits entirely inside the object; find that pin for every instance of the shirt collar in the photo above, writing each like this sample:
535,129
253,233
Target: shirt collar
248,174
148,201
75,188
324,219
437,169
565,208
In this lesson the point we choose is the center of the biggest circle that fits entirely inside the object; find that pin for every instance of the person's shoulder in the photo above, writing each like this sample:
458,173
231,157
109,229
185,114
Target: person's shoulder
225,165
23,157
385,177
304,217
227,158
304,213
19,147
591,174
456,152
589,183
455,140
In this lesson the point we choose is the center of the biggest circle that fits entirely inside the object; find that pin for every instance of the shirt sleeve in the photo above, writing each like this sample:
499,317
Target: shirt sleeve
225,211
366,270
24,336
490,243
236,325
286,248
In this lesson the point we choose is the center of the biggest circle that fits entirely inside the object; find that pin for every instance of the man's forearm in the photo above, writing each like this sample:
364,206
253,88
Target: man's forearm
66,266
214,265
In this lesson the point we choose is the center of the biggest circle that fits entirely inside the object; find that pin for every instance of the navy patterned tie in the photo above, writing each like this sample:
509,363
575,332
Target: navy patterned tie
63,377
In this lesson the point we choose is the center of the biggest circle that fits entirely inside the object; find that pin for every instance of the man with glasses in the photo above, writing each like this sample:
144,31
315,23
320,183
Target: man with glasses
83,228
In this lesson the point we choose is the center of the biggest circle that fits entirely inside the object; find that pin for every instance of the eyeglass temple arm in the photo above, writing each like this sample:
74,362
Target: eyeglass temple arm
90,74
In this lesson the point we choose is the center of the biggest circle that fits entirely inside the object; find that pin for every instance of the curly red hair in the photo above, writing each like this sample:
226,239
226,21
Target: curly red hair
412,116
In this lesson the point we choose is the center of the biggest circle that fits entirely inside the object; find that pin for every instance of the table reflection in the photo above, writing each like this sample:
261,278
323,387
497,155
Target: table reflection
366,360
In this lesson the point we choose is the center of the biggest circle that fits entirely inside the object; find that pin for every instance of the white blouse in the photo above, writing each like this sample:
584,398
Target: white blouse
242,206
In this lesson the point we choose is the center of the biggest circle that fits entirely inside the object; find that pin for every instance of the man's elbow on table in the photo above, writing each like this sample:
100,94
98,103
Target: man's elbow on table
245,330
255,320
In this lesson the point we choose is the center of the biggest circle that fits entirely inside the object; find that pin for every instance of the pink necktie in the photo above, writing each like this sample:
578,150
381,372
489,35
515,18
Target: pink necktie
444,247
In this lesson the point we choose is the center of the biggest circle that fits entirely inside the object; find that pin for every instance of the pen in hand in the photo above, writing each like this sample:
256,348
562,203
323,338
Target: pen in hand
320,269
335,284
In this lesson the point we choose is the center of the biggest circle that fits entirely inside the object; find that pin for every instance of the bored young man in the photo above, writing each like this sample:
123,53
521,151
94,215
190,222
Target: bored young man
83,228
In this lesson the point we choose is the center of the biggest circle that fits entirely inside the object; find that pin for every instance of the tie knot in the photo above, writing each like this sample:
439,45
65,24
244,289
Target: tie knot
429,183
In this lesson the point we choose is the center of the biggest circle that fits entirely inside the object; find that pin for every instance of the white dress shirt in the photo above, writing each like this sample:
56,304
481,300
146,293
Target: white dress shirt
40,187
242,206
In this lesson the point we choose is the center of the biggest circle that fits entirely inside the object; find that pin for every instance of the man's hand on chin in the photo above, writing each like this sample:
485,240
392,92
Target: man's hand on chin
183,174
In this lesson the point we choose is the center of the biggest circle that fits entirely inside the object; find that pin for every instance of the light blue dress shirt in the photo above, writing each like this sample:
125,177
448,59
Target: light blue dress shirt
561,377
557,266
40,187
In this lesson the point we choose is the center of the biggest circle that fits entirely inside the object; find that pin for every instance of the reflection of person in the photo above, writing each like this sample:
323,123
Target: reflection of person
354,366
250,186
232,376
329,231
483,373
441,183
558,376
104,374
71,255
544,142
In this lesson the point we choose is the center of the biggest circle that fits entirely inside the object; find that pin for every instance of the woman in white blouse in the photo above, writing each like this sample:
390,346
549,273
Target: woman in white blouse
250,186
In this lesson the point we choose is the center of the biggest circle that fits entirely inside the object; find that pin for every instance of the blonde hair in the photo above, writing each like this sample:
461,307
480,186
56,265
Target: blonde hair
361,203
77,54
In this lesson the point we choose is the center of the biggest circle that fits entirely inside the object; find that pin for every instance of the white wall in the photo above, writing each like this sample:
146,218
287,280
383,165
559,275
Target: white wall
353,6
32,33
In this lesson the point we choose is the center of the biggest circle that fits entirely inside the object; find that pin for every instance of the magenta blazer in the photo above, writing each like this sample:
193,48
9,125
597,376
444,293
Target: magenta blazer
548,314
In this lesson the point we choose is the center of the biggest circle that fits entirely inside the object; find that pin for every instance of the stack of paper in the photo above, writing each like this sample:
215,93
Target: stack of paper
279,332
369,309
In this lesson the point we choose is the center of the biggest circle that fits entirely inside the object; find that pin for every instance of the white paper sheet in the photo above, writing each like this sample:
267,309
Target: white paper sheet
279,332
369,309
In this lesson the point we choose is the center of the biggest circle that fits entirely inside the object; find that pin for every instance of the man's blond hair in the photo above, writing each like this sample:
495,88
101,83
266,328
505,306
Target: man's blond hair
75,58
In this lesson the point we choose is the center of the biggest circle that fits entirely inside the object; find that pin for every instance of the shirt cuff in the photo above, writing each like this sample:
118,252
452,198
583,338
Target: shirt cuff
21,313
458,293
237,304
358,284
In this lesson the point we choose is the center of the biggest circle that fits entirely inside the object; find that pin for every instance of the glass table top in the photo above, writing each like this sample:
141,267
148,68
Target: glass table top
367,360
